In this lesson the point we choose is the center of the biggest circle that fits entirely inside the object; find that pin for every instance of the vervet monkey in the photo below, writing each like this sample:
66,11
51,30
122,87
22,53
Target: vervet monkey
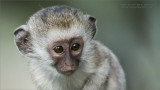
64,56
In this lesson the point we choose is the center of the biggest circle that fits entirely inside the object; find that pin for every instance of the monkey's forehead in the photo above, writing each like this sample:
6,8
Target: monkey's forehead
56,16
56,34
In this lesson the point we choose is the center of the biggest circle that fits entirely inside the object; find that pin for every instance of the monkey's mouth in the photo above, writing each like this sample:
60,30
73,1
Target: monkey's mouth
68,73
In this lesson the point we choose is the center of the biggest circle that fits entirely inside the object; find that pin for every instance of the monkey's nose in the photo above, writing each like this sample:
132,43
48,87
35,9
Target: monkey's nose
69,64
69,67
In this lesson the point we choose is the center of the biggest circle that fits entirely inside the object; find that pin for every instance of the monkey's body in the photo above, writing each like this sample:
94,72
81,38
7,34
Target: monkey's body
100,74
59,40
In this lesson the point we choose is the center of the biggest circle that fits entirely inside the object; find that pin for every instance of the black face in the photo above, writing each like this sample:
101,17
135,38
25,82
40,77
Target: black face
66,54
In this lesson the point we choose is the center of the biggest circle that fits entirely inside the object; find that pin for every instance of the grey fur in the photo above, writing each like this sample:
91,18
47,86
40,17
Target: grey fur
56,16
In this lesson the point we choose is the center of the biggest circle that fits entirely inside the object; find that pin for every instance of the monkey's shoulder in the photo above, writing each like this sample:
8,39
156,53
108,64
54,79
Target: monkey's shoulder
102,52
101,47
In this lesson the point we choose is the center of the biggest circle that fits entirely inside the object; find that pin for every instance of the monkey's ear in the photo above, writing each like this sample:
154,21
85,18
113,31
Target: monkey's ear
22,39
92,24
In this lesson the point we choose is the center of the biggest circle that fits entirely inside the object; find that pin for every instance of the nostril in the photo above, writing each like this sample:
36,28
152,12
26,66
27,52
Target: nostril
66,64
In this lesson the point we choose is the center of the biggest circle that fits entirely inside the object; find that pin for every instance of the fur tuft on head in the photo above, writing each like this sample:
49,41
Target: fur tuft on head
56,16
60,17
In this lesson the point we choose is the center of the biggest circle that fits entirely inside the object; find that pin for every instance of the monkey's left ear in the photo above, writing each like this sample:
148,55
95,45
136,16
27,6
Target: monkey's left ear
92,24
22,39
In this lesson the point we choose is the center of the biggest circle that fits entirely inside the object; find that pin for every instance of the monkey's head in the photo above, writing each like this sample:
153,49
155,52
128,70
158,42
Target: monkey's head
57,37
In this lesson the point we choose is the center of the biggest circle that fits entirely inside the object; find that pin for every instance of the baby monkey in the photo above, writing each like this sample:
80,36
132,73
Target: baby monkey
64,56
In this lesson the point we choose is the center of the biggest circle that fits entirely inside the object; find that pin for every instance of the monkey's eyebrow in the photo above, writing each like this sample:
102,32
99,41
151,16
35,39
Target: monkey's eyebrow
62,41
66,40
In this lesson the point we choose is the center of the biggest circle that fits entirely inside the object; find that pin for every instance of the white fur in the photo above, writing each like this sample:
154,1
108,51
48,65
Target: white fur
47,78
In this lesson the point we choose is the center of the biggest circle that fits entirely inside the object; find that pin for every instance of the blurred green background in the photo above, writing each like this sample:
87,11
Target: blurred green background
130,28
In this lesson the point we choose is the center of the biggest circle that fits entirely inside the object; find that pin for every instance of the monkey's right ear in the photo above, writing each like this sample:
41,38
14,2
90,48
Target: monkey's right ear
92,24
22,39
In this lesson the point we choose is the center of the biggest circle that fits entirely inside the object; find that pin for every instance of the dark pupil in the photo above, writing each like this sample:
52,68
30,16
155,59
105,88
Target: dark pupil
58,49
75,46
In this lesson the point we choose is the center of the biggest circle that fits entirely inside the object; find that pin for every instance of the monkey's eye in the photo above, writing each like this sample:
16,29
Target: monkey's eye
58,49
75,46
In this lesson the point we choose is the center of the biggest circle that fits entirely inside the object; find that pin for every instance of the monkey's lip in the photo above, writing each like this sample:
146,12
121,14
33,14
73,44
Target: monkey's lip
68,73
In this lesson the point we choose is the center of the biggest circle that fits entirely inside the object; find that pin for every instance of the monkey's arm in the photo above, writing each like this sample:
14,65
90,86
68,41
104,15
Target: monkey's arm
97,80
109,75
116,79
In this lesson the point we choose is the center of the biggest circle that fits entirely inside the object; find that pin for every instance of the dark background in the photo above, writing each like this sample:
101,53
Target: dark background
130,28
